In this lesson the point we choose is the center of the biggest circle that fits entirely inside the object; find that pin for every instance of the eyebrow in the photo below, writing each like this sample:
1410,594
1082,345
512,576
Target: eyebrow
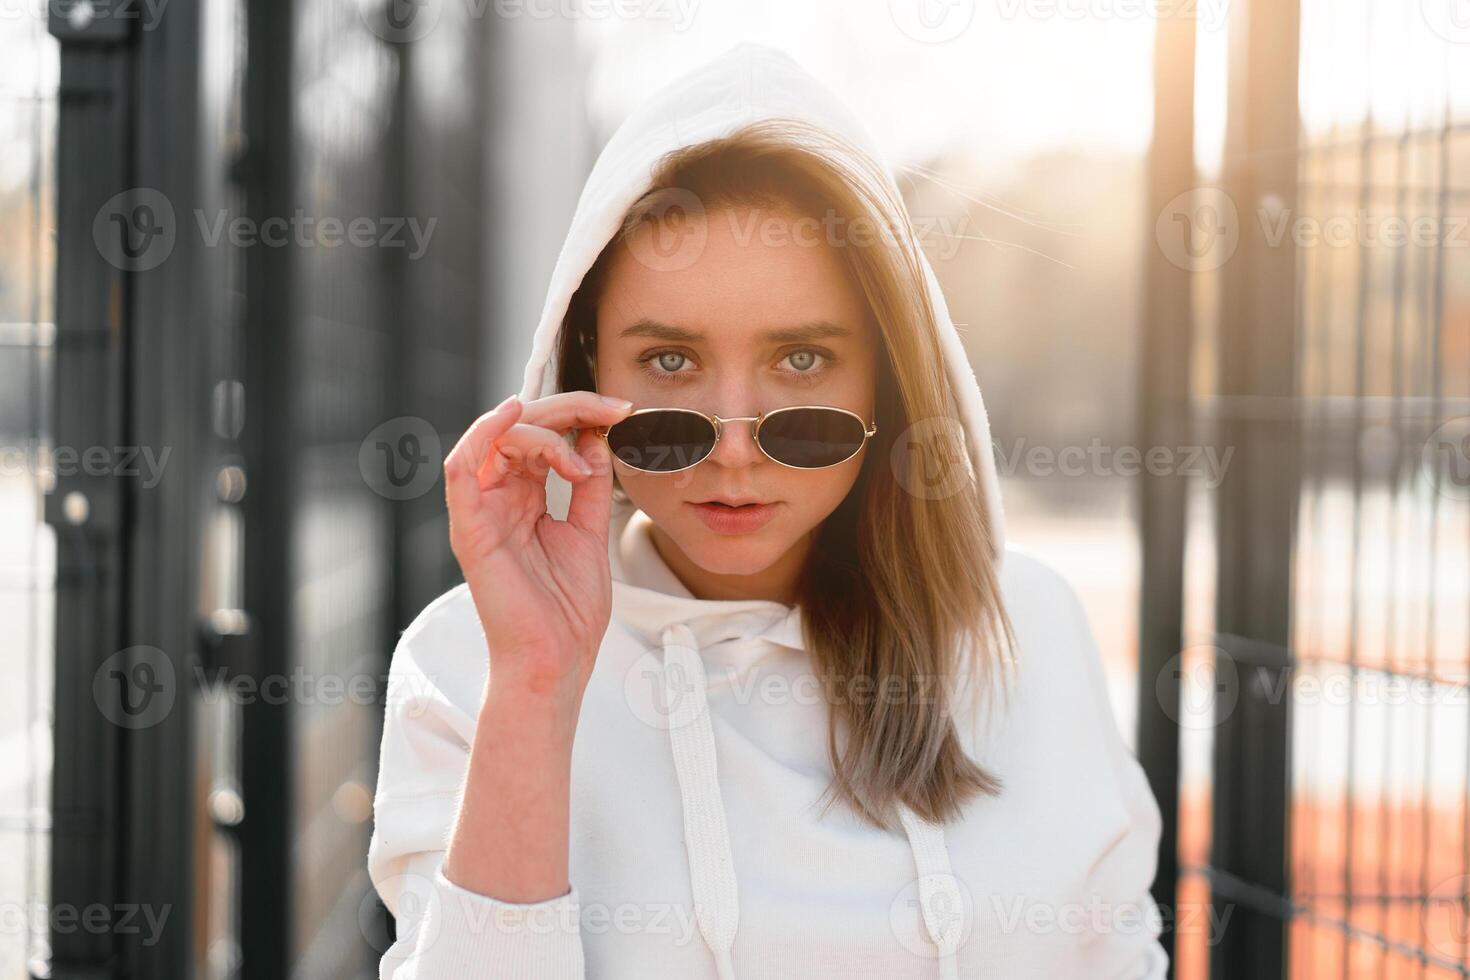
814,330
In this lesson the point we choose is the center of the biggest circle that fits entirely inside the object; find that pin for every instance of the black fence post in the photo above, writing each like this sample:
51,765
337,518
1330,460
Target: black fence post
1164,420
1257,498
89,777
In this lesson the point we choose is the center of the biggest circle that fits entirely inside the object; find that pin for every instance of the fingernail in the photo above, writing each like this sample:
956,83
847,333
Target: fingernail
506,404
617,402
582,465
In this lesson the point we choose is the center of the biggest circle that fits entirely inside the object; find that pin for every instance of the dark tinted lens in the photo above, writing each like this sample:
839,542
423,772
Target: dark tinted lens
811,437
663,441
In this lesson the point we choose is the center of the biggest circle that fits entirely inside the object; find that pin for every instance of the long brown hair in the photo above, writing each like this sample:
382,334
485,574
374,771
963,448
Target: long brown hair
900,595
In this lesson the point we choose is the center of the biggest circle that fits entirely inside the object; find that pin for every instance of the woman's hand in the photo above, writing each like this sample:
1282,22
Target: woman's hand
541,586
543,592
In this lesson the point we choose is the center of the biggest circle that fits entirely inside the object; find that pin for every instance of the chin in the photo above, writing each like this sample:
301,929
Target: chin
730,554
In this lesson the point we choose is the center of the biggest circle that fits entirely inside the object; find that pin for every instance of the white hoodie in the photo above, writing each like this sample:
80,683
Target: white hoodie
697,849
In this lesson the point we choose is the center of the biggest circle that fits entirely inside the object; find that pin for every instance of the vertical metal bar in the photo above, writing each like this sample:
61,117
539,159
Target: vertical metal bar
267,775
169,412
89,771
1257,498
1164,414
127,381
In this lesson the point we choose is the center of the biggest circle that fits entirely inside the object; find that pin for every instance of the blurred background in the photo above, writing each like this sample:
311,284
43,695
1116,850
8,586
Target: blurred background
262,260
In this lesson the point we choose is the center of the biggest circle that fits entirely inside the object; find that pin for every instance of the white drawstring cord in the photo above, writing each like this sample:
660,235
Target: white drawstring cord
940,901
706,835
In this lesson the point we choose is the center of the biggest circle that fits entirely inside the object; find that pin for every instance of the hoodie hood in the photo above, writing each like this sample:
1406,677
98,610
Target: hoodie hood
748,83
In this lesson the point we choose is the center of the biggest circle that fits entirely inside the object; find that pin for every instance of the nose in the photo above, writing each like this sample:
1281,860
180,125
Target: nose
736,446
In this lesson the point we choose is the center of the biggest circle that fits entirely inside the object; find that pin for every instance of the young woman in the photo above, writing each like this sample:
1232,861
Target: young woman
742,680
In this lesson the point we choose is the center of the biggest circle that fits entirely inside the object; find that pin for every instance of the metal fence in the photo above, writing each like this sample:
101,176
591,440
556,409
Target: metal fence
223,630
1324,283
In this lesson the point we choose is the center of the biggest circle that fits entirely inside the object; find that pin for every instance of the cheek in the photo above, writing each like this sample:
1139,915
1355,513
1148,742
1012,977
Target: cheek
820,491
831,493
650,489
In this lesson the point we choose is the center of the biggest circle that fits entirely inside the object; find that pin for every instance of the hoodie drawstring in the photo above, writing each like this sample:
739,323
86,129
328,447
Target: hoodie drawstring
707,836
940,901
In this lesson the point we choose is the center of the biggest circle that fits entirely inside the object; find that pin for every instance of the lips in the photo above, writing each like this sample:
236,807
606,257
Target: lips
724,518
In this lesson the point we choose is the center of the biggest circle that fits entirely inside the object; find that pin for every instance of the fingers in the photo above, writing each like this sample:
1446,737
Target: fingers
462,465
538,440
517,437
591,505
575,409
529,449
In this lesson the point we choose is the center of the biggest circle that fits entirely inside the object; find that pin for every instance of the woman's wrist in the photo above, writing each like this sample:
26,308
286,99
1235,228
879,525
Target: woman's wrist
512,831
548,678
539,690
519,717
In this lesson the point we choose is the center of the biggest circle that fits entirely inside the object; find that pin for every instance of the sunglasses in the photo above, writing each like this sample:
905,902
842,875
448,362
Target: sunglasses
668,440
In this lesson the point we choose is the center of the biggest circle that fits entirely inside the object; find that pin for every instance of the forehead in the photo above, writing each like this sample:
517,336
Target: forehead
734,275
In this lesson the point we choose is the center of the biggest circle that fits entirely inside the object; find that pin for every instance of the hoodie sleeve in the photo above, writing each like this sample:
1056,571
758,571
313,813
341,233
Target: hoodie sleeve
1128,948
445,932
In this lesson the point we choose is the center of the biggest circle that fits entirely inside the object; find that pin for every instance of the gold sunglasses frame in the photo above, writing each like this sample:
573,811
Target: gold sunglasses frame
719,424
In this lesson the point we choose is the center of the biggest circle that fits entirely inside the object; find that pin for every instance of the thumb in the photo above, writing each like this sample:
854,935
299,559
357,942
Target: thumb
591,504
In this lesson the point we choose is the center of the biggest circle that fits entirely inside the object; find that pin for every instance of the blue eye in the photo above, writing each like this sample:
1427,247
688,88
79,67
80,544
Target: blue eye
807,359
806,365
663,365
809,365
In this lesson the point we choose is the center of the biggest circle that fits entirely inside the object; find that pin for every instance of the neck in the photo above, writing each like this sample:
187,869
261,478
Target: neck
776,582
